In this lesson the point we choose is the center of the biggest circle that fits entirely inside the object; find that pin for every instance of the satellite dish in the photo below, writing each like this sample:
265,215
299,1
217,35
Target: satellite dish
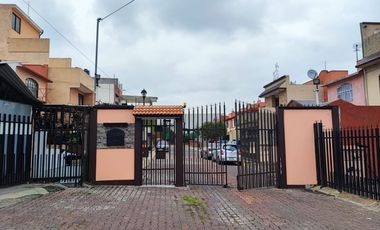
312,74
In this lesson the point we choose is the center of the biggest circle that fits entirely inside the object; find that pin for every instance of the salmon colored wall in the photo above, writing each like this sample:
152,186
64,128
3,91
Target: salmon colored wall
115,164
358,93
115,116
42,84
299,144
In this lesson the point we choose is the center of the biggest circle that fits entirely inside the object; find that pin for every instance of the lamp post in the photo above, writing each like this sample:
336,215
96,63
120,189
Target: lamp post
143,93
316,82
313,75
97,76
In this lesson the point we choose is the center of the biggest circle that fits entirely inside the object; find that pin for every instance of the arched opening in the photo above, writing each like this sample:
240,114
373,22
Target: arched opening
115,137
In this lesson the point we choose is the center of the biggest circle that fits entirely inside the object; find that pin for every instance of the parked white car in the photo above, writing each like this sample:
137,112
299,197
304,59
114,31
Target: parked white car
216,149
162,145
229,153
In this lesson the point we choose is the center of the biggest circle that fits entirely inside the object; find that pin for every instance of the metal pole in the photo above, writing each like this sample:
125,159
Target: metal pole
96,53
317,95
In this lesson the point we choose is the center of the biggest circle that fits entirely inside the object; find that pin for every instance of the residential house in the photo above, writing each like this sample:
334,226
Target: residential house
109,91
70,86
326,76
231,126
281,91
231,117
349,88
51,80
35,77
20,37
370,63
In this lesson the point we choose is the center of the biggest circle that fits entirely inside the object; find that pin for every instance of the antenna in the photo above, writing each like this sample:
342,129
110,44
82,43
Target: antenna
356,48
276,72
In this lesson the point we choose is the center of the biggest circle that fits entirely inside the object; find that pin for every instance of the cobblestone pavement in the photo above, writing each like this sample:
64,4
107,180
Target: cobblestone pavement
122,207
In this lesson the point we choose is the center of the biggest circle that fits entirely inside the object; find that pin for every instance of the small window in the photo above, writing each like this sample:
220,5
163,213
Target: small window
80,99
344,92
32,86
16,23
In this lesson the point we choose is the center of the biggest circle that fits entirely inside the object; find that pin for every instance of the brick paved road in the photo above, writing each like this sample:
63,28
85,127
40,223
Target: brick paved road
120,207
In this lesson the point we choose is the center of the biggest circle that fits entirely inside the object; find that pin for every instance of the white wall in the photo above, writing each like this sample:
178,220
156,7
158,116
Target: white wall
105,93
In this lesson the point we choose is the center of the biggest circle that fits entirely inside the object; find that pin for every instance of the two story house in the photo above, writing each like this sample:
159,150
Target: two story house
51,80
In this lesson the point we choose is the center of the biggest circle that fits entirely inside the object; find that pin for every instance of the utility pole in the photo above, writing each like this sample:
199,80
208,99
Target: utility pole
97,76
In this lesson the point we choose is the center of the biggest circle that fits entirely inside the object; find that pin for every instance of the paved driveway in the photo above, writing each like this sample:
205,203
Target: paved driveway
197,207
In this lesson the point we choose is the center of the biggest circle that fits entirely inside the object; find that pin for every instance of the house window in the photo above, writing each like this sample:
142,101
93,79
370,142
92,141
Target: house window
16,23
80,99
345,92
276,102
32,86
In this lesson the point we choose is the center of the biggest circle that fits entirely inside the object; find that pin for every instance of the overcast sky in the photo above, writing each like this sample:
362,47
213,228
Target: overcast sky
199,51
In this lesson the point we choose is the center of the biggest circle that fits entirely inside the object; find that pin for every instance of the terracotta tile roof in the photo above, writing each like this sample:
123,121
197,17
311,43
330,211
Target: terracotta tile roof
158,110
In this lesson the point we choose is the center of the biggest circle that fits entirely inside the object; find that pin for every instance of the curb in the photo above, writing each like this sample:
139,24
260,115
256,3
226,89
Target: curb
367,203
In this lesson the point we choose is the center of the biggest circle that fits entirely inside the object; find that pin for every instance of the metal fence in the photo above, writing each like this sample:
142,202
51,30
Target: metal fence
348,160
205,135
15,142
60,144
257,132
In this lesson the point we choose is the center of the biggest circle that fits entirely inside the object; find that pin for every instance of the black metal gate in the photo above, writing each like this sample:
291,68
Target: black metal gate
60,144
205,134
15,142
256,130
158,149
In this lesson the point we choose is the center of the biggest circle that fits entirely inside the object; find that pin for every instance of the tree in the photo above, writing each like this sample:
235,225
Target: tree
167,135
190,136
214,130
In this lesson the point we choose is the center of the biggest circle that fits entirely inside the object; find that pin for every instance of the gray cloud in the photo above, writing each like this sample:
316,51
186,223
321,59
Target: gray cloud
208,51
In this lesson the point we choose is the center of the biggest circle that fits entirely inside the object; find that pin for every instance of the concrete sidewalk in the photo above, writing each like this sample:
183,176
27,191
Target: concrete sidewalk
15,194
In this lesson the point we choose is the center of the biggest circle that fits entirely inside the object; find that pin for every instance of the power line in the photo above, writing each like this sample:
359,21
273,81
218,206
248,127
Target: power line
118,9
63,36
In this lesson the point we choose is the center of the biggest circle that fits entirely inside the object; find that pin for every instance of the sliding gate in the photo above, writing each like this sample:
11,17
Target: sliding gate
256,131
60,144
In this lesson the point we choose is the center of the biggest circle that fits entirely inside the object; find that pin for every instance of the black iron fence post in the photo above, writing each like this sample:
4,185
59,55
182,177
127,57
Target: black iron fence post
2,141
180,170
138,152
338,160
377,169
317,141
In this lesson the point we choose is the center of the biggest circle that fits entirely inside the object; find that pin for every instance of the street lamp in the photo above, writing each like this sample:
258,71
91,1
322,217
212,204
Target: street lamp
143,93
97,76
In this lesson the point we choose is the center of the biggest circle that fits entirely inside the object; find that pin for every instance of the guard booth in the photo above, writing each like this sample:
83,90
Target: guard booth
140,145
